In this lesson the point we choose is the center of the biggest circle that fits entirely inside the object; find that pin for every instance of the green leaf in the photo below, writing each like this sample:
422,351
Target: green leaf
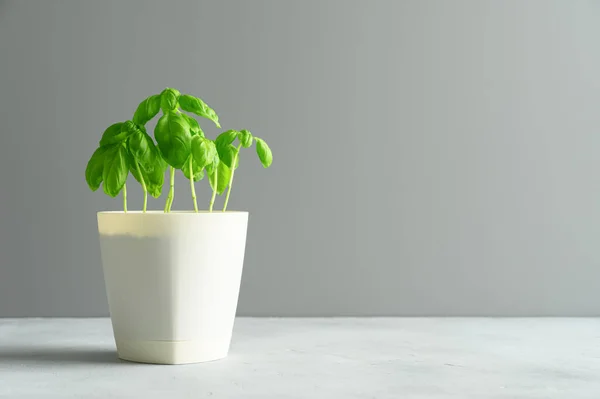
95,166
196,169
227,153
194,125
156,177
213,156
152,165
245,138
223,177
147,110
197,106
168,99
210,171
264,152
225,149
203,150
173,136
142,149
133,168
215,161
116,169
226,138
114,134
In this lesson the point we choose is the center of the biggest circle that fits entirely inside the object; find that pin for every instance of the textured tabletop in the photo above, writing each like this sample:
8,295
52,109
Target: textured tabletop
316,358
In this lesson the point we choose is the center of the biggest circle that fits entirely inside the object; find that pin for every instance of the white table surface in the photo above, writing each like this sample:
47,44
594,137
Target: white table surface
317,358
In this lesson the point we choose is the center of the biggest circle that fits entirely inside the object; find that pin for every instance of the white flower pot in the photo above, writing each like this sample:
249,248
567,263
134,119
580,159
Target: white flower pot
172,281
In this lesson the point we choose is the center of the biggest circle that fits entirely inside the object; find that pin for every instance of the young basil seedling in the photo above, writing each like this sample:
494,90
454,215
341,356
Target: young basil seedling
126,147
174,132
229,156
205,155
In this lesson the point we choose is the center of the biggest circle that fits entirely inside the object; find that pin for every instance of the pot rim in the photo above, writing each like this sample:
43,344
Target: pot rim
172,213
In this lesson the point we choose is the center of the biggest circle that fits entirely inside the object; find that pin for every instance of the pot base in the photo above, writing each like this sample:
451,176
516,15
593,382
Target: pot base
170,352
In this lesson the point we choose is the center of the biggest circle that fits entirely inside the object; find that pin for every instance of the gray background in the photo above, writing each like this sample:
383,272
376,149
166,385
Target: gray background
431,157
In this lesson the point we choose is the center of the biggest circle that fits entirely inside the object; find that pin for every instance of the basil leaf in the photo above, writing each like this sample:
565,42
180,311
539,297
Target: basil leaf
197,106
114,134
168,99
210,170
155,178
203,150
225,149
212,156
226,138
142,149
223,177
264,153
245,138
116,169
194,125
95,166
227,153
147,110
134,170
173,136
216,161
196,169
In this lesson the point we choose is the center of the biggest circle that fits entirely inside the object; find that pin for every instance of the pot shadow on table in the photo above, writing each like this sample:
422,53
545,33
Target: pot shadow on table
56,354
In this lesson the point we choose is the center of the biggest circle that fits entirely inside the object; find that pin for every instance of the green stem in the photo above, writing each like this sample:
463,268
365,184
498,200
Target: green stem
171,190
237,154
125,198
143,182
192,186
214,193
171,187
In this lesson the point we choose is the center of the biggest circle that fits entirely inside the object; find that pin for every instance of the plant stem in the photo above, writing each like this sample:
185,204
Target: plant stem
171,190
233,163
125,198
137,165
192,186
214,193
171,187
